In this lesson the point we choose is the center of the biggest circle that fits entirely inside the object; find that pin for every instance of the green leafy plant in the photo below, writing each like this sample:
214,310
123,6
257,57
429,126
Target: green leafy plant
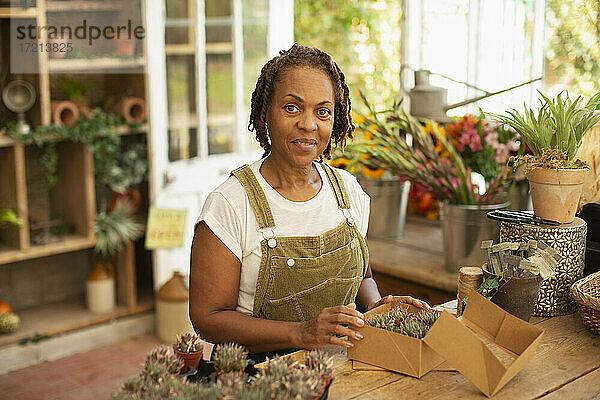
9,218
112,167
114,229
556,131
72,88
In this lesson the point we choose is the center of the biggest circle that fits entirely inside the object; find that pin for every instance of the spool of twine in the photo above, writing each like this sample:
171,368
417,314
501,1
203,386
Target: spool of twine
469,278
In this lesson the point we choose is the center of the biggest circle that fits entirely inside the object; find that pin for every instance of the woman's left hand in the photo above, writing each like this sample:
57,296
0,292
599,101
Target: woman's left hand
402,299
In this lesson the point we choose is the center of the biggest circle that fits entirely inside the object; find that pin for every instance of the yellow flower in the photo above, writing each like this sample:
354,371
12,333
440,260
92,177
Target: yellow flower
357,118
339,163
374,127
372,173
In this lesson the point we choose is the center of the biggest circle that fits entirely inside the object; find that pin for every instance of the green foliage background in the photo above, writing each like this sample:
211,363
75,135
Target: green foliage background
573,47
337,27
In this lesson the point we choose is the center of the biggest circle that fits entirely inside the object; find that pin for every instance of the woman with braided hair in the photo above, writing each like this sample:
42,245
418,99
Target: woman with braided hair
279,259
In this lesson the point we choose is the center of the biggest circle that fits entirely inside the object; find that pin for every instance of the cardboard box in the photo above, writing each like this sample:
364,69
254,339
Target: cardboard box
486,344
394,351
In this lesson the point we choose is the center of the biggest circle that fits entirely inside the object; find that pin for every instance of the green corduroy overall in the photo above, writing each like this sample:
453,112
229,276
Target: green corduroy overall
301,275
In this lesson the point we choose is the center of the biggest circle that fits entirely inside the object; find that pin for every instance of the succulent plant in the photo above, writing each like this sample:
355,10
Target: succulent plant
188,343
279,367
413,327
428,317
319,361
301,384
164,355
230,357
400,321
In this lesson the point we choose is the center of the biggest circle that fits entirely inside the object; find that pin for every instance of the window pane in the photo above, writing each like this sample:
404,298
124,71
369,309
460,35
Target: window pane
183,143
180,22
181,94
220,102
255,14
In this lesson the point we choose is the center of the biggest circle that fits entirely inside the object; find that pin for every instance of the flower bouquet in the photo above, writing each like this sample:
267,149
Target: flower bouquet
428,155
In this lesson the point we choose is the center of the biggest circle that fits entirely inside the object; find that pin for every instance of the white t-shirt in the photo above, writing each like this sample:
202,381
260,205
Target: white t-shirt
228,214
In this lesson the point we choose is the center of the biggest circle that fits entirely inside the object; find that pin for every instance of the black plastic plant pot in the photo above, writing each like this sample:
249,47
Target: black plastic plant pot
516,296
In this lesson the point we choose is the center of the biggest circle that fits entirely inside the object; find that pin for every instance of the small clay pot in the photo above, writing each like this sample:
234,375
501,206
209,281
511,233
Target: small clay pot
555,193
192,359
325,389
64,113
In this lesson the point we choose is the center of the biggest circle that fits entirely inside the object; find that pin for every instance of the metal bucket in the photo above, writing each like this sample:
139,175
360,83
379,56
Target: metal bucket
464,228
389,198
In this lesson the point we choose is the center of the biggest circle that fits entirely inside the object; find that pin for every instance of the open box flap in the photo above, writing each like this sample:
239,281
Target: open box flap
388,348
463,348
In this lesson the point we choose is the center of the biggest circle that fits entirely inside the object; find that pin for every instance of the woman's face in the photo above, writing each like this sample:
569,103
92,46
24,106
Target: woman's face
300,117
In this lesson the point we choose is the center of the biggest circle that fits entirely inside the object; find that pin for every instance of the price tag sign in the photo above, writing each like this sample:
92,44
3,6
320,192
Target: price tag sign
165,228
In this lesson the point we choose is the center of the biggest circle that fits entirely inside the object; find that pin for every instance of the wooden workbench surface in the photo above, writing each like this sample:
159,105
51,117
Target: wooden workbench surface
417,257
566,365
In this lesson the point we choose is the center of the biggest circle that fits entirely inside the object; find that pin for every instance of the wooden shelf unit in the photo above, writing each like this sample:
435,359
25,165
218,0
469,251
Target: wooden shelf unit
73,199
14,12
65,316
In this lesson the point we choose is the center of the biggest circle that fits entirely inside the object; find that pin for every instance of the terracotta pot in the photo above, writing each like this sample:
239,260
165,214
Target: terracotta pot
64,113
192,359
555,193
325,388
133,109
130,199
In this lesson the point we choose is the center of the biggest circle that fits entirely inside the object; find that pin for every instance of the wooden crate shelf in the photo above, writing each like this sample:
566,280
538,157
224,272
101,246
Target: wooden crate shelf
56,318
67,244
15,12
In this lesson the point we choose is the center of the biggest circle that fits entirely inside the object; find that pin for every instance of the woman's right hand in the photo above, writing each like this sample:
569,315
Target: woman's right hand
327,327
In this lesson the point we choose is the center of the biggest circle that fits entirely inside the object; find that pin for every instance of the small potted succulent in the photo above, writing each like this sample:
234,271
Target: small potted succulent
554,137
322,363
189,348
230,358
164,355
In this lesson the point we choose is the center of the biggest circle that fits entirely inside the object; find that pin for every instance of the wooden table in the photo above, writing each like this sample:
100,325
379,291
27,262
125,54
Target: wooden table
566,365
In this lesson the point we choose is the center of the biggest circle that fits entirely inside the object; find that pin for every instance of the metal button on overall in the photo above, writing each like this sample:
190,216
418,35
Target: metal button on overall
291,262
272,243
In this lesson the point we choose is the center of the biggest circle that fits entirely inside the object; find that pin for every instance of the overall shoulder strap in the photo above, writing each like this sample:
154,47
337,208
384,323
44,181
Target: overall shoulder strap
337,184
256,196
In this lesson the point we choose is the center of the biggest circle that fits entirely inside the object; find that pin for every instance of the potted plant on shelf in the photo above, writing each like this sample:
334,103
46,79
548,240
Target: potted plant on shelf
554,136
425,155
189,348
74,90
113,231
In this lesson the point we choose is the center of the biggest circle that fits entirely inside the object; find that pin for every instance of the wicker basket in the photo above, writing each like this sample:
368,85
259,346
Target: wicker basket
586,293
